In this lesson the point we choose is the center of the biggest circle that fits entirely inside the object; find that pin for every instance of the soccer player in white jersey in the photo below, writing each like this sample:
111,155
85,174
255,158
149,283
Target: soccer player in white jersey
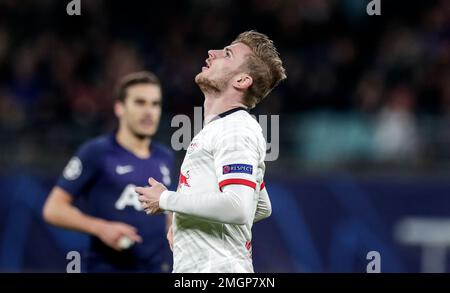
221,192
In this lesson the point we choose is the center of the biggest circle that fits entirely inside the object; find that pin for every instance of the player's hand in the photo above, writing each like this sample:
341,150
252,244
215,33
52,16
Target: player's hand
149,196
111,232
170,237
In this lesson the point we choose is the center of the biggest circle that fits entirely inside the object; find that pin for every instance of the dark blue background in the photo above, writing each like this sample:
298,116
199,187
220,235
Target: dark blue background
318,224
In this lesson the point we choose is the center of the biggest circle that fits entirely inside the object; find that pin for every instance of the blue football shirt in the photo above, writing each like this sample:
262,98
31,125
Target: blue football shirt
106,174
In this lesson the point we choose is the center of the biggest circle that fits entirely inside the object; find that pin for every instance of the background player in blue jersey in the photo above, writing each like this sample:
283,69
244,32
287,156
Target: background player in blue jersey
106,170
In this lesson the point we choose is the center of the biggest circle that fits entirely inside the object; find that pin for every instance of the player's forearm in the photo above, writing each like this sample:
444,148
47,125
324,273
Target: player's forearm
264,207
232,206
67,216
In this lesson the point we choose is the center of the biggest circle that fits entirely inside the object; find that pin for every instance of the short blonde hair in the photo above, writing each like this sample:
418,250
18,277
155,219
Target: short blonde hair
264,66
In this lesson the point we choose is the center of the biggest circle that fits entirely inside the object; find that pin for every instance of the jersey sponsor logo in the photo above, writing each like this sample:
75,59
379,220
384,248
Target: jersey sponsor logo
121,170
183,181
237,168
73,169
128,197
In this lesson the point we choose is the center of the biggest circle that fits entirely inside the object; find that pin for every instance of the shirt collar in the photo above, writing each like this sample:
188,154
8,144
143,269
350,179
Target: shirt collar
228,112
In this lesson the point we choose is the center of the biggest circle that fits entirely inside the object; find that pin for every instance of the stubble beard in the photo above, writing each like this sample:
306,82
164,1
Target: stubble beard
208,86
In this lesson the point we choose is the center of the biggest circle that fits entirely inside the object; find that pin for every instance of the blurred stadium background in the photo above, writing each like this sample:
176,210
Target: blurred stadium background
364,160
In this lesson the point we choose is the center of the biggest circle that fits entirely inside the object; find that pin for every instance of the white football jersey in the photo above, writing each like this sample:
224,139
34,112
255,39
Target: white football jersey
228,150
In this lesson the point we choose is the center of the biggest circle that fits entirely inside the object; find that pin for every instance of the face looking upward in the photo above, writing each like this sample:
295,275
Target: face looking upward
140,111
224,68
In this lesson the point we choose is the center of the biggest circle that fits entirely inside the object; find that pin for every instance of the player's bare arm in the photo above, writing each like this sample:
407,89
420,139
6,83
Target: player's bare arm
60,211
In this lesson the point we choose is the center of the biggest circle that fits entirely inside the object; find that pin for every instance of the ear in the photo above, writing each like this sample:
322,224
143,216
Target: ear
242,81
118,109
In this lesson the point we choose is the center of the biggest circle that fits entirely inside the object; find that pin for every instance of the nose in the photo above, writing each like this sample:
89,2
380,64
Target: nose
213,54
148,111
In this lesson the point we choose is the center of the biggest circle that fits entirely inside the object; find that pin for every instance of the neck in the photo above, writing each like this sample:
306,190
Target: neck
217,104
137,145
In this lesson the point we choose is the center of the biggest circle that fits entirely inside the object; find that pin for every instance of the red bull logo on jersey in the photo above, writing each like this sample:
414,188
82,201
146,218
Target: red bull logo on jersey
183,181
237,168
248,245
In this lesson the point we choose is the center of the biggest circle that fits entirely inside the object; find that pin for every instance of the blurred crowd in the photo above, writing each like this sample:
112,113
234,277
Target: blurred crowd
379,84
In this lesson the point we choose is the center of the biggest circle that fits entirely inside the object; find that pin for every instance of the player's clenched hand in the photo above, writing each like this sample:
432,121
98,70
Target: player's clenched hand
149,196
111,232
